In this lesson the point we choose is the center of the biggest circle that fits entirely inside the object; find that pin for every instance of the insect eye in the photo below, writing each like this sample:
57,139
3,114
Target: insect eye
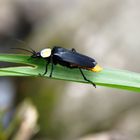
38,54
35,55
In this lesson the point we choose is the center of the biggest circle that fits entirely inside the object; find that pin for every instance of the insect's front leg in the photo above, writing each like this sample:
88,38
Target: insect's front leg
46,68
52,65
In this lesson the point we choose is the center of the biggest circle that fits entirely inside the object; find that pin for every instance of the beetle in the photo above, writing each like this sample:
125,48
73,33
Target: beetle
69,58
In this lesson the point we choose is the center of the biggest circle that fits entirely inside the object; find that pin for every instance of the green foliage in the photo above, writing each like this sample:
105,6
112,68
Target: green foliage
34,67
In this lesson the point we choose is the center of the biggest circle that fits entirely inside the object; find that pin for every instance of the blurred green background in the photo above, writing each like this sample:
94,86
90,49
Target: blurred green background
46,109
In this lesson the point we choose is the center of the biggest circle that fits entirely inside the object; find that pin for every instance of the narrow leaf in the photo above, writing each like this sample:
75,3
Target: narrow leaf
115,78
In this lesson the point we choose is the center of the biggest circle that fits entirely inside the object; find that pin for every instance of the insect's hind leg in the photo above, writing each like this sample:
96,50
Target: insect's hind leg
86,78
73,50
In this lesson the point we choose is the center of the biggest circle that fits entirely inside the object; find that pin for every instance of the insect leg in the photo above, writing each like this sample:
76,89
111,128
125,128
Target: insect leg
52,67
86,78
46,69
73,50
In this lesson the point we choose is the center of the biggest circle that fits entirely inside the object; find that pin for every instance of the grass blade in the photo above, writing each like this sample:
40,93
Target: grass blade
115,78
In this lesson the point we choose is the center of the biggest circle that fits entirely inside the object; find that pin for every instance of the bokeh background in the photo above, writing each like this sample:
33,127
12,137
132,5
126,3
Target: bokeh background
45,109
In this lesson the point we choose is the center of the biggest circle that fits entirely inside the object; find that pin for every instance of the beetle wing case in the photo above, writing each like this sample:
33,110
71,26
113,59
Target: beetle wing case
73,58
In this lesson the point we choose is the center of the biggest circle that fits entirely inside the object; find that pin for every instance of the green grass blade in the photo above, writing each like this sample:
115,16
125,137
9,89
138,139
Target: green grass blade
33,67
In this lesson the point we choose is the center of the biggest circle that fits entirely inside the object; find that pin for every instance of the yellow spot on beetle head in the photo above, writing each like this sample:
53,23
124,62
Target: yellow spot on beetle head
46,53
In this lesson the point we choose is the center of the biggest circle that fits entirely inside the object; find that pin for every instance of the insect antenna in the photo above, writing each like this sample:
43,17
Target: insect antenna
30,51
22,42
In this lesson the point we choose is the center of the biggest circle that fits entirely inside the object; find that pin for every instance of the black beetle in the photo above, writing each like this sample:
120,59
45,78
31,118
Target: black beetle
68,58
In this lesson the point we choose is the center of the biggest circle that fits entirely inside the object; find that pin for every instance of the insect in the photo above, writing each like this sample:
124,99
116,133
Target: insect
69,58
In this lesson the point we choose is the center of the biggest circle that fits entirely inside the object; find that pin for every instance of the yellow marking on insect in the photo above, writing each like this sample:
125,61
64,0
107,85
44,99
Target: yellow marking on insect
46,52
97,68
